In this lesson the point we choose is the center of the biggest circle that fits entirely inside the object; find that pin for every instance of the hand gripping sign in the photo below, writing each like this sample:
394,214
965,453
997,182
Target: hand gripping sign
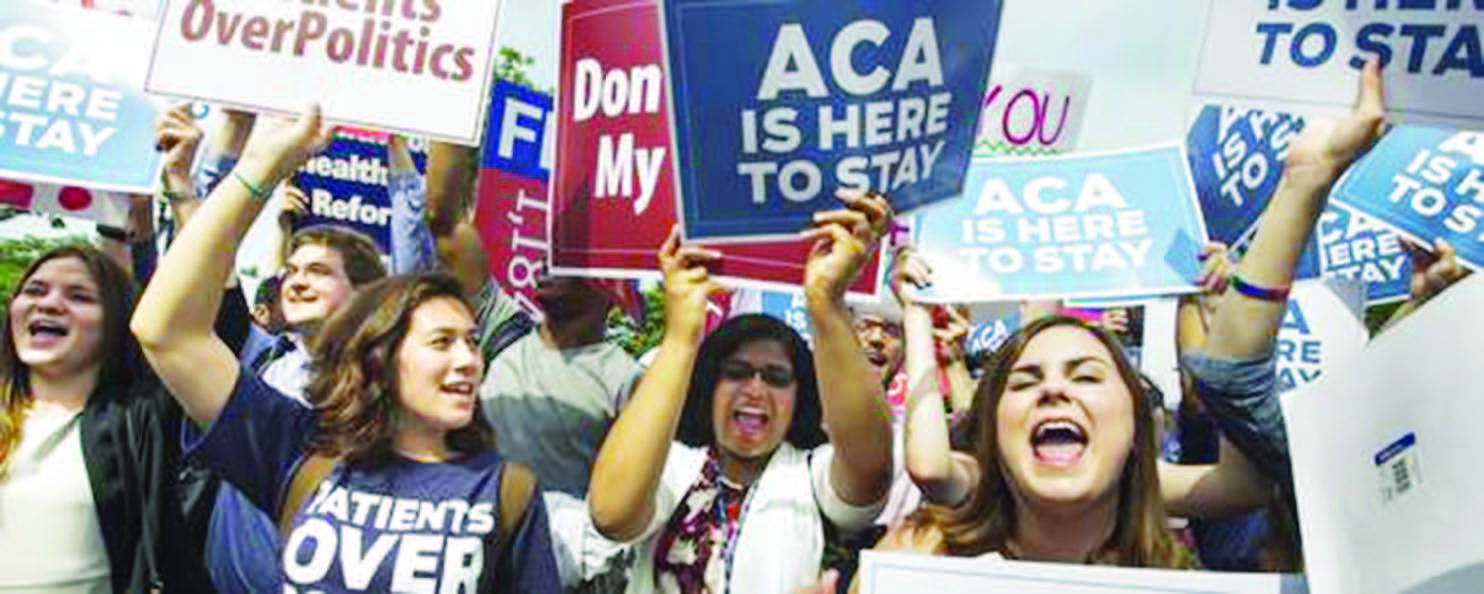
612,201
1426,184
1099,225
776,104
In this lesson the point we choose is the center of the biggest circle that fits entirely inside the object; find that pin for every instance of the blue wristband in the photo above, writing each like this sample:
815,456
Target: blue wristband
1256,292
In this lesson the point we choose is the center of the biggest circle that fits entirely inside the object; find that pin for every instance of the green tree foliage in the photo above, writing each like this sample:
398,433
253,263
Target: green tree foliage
514,67
637,339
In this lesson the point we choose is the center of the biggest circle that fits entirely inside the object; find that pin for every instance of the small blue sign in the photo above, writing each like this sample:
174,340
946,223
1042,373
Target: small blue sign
778,103
1426,184
72,103
515,131
1088,226
346,185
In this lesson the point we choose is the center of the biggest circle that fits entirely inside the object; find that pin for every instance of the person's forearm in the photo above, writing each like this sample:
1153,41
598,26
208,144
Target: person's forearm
628,468
450,189
183,296
925,434
854,406
1243,326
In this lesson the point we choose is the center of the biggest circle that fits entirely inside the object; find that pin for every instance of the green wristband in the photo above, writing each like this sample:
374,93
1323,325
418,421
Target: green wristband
258,194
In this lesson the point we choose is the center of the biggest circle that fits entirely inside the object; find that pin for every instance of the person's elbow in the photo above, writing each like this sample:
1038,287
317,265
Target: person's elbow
149,329
615,520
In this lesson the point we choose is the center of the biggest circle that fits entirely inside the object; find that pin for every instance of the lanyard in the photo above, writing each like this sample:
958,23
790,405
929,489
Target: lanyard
730,532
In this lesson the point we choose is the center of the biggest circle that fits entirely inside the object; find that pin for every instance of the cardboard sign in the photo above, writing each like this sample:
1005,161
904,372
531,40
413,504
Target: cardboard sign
513,205
1310,52
776,104
612,209
901,573
1426,184
1237,159
72,104
1030,112
346,185
108,208
1100,225
1323,327
420,68
1383,450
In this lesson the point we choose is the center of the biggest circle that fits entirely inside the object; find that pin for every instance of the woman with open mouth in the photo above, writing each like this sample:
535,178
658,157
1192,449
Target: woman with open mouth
718,467
1065,464
390,482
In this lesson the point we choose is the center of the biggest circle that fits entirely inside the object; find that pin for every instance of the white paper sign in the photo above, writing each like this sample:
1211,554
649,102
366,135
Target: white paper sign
896,573
1032,112
421,68
1386,456
1307,54
1323,327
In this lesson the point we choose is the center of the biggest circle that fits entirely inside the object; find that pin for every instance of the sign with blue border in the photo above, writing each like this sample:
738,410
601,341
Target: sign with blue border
778,103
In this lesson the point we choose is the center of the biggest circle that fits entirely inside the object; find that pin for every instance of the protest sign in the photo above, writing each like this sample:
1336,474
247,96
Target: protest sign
1309,52
1099,225
776,104
902,573
421,68
513,206
1032,112
1237,158
72,104
1426,184
1381,448
612,205
107,208
1324,326
346,184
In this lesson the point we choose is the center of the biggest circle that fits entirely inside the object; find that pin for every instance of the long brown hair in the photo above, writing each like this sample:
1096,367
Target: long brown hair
121,365
353,383
985,521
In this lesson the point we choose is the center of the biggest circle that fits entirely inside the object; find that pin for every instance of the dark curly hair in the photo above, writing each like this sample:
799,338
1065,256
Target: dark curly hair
805,431
353,383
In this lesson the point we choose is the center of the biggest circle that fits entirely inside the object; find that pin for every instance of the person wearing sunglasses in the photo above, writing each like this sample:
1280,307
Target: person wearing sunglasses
720,469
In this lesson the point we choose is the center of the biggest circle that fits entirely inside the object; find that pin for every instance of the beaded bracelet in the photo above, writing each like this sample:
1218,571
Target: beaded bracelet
1256,292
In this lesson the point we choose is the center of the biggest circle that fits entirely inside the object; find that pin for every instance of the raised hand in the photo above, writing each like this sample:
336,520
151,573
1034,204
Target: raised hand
1326,147
687,286
843,241
177,136
1433,271
1217,267
909,268
277,148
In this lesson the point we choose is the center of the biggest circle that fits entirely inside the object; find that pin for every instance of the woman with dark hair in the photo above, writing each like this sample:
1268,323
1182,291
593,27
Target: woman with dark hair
390,481
739,503
1065,464
87,451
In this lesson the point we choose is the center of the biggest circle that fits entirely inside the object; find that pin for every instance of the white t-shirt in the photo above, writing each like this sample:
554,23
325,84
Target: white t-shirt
50,540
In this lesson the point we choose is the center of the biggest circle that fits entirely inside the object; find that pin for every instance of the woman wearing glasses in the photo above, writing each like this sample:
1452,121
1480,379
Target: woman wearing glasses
718,467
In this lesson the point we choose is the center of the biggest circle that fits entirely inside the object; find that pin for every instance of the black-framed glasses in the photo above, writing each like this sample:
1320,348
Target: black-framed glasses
776,376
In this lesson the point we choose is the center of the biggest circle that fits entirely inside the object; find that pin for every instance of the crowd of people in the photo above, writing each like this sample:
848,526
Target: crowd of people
401,425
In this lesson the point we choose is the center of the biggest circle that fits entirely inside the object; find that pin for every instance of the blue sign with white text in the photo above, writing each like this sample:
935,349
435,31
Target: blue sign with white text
778,103
347,185
788,307
1103,225
1236,159
515,132
1425,183
72,103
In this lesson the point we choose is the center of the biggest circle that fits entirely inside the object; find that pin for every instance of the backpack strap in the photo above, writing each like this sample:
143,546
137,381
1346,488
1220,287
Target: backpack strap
517,487
312,470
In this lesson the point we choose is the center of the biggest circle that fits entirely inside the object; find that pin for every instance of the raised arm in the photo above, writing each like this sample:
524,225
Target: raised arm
630,463
928,453
175,315
1432,272
412,244
1245,325
854,406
